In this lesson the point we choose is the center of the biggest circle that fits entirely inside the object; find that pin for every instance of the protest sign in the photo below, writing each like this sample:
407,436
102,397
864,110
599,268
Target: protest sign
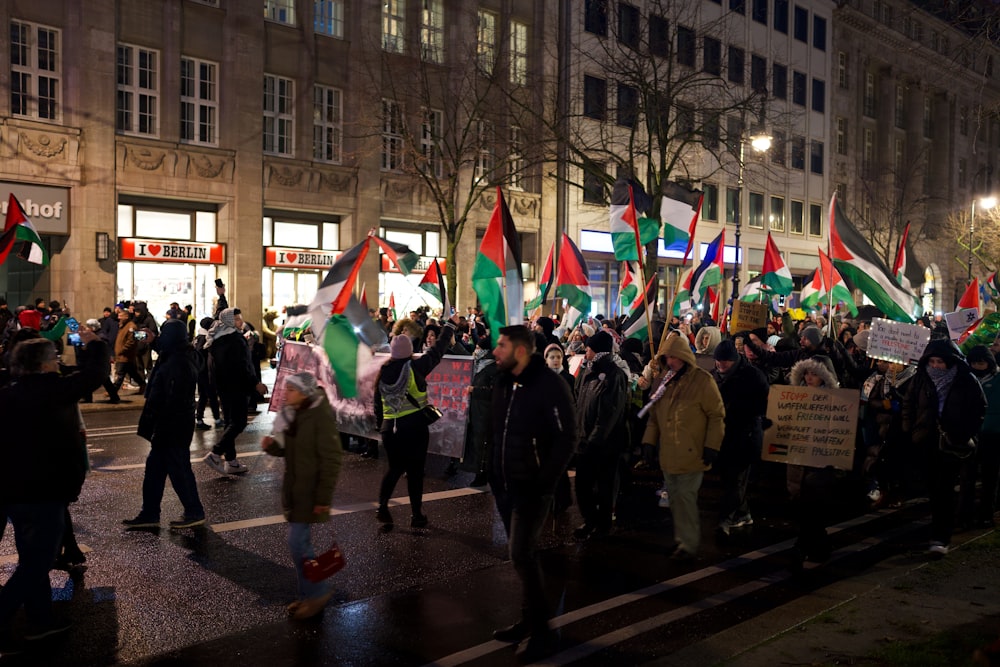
898,342
960,321
748,315
811,426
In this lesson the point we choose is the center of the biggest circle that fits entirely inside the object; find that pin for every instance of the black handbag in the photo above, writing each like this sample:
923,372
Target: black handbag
955,446
430,413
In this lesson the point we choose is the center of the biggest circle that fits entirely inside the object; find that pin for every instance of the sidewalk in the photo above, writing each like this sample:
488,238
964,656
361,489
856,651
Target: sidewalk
908,610
131,400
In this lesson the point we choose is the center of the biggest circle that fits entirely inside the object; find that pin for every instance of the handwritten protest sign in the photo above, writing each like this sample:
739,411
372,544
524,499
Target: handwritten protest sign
445,388
896,341
812,427
960,321
748,315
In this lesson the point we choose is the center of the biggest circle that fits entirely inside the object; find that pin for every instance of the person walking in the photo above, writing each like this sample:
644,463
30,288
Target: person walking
108,384
166,423
984,466
479,445
207,394
305,434
125,351
400,397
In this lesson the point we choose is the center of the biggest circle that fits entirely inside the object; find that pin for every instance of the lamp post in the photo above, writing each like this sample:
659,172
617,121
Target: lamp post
760,141
986,203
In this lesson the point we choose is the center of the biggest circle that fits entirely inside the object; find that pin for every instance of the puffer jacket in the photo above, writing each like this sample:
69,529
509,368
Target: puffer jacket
534,428
602,394
964,407
689,416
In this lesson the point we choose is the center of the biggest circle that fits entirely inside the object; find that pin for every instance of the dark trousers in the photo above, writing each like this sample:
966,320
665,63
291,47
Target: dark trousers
206,396
983,466
942,477
524,515
109,386
596,472
123,368
733,478
38,533
69,550
234,408
406,449
174,462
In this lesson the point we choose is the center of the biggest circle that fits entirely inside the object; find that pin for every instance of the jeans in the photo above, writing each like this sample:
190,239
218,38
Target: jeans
406,449
38,532
234,409
174,462
206,396
683,490
524,515
301,547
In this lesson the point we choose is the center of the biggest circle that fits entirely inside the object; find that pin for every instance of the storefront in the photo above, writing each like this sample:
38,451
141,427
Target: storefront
407,295
48,209
298,251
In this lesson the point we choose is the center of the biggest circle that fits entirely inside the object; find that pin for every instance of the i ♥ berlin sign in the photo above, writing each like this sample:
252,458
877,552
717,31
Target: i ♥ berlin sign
300,258
159,250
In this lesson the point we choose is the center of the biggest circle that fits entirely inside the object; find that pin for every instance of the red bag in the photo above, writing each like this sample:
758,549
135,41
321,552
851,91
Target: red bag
324,565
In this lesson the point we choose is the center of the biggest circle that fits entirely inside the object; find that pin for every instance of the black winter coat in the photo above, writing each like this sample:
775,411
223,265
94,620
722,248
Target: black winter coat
602,396
964,407
421,367
230,366
166,417
744,393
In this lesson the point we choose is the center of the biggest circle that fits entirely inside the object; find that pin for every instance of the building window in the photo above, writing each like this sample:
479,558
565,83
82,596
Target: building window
659,36
900,111
737,64
738,6
628,105
868,106
962,171
898,155
798,152
595,20
431,130
963,121
928,119
594,191
760,11
734,134
518,53
842,69
35,71
841,135
138,90
732,205
393,25
328,18
799,88
685,46
756,210
710,201
758,73
795,217
816,157
867,153
819,96
685,121
279,115
486,39
777,219
432,31
801,25
282,11
819,32
486,140
595,97
328,124
392,136
711,56
515,160
781,16
779,148
628,25
779,81
711,132
199,101
815,220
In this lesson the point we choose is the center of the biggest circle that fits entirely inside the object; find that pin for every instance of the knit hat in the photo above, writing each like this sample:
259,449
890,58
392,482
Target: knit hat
982,353
546,324
554,346
304,382
813,335
206,323
600,342
861,340
726,351
31,319
773,340
401,347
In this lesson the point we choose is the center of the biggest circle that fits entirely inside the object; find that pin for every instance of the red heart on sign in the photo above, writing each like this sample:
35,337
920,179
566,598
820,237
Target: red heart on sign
290,256
154,249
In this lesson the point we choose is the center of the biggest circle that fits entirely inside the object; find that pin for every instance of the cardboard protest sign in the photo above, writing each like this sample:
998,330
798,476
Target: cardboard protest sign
960,321
812,427
748,315
898,342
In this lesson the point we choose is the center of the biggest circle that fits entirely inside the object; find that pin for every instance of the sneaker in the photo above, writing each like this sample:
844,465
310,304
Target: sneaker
236,467
664,499
938,550
187,522
726,525
53,628
744,521
220,423
382,515
141,522
875,496
214,461
419,521
201,425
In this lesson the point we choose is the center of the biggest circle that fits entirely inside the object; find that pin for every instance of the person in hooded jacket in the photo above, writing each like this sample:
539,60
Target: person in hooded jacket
207,394
984,465
479,446
945,400
166,422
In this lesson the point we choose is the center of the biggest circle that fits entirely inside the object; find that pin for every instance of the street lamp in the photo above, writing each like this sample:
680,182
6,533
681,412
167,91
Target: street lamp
986,203
760,142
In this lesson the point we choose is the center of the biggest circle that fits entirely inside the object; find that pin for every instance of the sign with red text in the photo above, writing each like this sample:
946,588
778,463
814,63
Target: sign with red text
299,258
422,265
811,426
897,342
158,250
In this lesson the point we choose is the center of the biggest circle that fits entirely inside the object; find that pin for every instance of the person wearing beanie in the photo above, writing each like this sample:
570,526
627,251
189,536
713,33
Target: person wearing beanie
208,395
984,466
166,422
546,326
305,434
881,430
600,342
400,399
811,343
555,359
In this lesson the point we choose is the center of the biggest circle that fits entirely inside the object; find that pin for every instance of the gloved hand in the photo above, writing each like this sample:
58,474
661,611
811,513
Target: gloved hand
709,456
766,423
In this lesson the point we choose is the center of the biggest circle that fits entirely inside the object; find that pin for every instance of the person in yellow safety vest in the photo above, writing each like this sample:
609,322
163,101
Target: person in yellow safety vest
400,397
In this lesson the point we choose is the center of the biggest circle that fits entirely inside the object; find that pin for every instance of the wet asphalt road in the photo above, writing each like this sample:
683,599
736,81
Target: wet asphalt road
217,595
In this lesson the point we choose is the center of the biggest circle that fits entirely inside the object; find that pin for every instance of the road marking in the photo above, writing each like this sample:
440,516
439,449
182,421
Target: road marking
137,466
109,432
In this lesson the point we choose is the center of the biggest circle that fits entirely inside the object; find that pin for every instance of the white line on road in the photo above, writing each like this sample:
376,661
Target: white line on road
136,466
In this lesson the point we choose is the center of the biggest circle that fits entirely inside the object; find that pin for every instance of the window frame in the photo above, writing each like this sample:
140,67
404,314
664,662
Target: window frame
200,105
393,129
710,202
279,109
595,107
137,93
800,24
328,18
776,223
26,76
736,63
519,53
486,40
432,31
280,11
394,26
328,124
595,17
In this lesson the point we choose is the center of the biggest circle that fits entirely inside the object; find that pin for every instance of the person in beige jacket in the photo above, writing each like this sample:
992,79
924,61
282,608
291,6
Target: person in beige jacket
686,423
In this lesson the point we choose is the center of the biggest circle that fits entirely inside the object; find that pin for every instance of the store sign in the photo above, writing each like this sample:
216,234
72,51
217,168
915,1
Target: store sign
156,250
300,258
423,264
47,207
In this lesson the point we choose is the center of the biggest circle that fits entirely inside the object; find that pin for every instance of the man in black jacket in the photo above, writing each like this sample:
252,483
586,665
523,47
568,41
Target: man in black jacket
40,475
534,435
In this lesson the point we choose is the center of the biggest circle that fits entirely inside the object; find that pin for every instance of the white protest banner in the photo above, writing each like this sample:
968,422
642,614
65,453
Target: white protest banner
960,321
811,427
897,342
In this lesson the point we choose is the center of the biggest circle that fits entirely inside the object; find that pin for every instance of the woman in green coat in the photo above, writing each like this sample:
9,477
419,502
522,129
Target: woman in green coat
305,433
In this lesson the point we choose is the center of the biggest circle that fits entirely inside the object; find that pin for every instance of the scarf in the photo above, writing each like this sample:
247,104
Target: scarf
659,391
284,421
226,324
942,380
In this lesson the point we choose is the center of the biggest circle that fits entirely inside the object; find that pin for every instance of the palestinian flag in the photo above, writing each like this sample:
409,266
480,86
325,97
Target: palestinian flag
713,303
812,290
899,266
860,264
992,283
400,255
752,290
629,232
572,283
628,287
834,288
496,275
679,211
682,300
636,325
364,295
971,297
392,305
544,284
330,324
775,276
433,284
18,231
709,272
